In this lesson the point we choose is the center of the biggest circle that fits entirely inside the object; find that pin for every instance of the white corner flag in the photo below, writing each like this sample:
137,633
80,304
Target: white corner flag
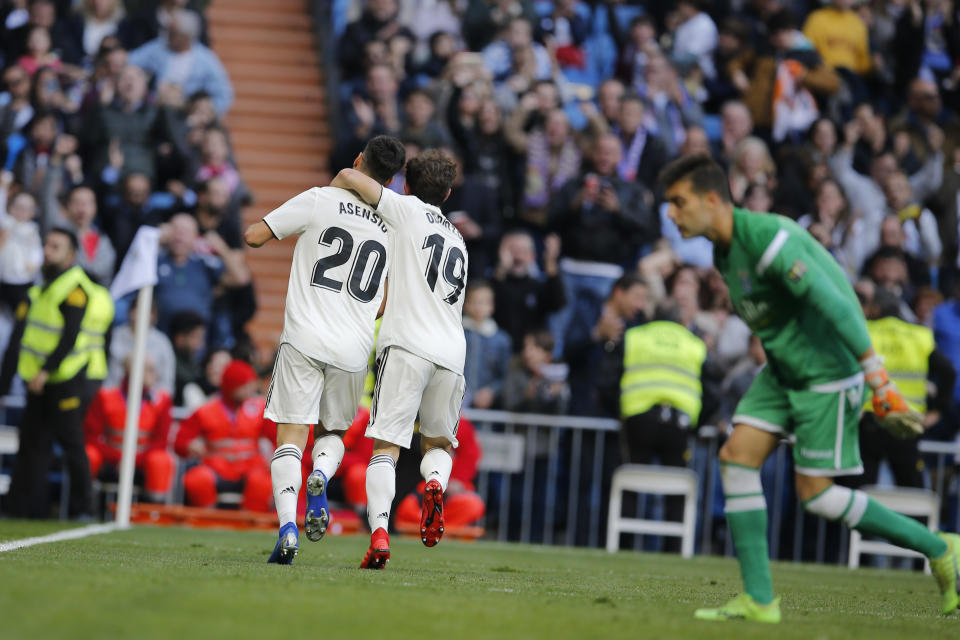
139,266
138,271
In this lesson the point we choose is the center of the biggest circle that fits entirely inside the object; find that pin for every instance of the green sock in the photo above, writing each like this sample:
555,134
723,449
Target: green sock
749,529
899,529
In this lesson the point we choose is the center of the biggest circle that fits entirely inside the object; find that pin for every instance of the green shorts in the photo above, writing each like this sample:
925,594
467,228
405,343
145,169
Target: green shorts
822,421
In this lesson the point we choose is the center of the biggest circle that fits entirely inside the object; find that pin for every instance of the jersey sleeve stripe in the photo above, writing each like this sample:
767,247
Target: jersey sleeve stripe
770,254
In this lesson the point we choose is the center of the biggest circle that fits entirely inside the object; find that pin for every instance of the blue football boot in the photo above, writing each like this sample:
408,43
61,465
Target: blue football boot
318,513
288,545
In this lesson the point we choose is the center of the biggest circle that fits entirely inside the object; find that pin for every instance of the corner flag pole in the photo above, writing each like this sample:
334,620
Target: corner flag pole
134,396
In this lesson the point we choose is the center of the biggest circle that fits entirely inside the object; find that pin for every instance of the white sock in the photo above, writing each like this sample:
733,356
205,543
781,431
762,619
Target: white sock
381,487
287,478
327,454
437,464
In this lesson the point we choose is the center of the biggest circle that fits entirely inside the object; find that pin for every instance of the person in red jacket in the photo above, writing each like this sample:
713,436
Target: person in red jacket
461,505
224,435
103,428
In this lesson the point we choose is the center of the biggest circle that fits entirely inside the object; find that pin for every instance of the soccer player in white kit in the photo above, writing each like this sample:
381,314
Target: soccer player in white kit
421,347
334,294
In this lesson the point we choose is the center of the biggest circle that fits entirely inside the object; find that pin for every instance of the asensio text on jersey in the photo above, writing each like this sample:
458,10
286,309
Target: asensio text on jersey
336,277
428,275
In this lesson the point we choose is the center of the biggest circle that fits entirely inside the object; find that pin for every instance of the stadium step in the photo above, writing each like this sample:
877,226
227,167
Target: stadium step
278,126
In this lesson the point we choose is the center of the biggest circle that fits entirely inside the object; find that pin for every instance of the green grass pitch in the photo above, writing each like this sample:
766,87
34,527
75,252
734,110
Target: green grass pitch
151,582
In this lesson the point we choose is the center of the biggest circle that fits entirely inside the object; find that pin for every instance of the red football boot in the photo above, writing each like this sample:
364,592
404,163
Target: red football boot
431,515
379,552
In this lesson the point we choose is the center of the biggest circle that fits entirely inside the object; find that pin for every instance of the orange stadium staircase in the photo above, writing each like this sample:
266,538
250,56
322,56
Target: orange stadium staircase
278,124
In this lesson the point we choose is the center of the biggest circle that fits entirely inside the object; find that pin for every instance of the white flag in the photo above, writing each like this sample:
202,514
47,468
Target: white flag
139,267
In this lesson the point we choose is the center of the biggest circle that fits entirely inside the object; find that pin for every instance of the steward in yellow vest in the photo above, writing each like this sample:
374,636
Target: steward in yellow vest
58,342
912,360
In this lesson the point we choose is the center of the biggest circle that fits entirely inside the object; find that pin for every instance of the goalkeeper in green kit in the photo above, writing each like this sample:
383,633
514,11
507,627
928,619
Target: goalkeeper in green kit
795,297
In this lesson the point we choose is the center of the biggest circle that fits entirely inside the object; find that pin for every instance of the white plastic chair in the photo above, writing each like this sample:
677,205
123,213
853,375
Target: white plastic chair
641,478
909,502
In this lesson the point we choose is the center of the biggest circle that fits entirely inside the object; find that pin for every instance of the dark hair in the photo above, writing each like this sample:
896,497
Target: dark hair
478,283
632,97
419,92
430,175
77,187
185,322
384,157
71,236
702,171
435,36
626,281
542,338
197,96
782,20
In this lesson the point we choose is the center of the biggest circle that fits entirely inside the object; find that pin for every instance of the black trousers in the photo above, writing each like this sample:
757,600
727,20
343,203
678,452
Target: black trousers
56,414
877,445
658,435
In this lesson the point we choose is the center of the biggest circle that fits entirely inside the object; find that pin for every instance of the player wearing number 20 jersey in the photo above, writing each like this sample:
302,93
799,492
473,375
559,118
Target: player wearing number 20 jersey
335,290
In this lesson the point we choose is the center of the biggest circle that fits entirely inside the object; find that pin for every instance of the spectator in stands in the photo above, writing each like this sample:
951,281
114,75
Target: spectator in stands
96,254
694,38
524,297
919,227
565,31
181,60
153,21
488,348
104,426
21,248
733,41
609,95
844,233
378,22
41,13
536,383
913,359
752,164
887,268
840,37
483,21
671,107
30,167
204,388
164,361
16,110
94,21
129,122
39,52
635,48
215,160
216,215
223,436
642,154
187,278
602,221
736,124
500,56
586,352
443,46
376,113
929,124
125,212
802,74
552,157
927,38
419,110
188,333
474,209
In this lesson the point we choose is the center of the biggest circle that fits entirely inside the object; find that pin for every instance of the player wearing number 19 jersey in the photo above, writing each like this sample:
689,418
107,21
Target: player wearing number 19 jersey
335,290
421,347
795,298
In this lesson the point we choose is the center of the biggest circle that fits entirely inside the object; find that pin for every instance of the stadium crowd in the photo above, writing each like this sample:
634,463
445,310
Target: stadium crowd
842,115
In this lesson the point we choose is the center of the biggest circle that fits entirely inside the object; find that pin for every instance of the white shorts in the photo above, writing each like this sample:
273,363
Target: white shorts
306,391
408,384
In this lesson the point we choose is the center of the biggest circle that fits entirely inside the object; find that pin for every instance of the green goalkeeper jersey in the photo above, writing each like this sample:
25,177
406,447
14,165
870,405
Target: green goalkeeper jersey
794,296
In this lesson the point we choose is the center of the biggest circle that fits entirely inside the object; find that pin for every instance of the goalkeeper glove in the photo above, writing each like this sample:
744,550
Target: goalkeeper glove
889,405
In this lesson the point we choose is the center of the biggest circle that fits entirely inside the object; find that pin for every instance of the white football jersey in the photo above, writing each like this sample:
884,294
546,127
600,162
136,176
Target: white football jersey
428,275
336,278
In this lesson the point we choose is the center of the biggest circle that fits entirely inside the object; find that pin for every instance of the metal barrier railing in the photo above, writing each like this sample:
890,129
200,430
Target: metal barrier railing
544,479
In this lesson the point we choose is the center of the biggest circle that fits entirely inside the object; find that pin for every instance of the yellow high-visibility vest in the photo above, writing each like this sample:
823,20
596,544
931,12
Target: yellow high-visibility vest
661,366
44,325
906,349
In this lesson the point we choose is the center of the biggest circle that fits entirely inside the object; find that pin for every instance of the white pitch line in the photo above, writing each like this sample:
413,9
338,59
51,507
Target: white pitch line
69,534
